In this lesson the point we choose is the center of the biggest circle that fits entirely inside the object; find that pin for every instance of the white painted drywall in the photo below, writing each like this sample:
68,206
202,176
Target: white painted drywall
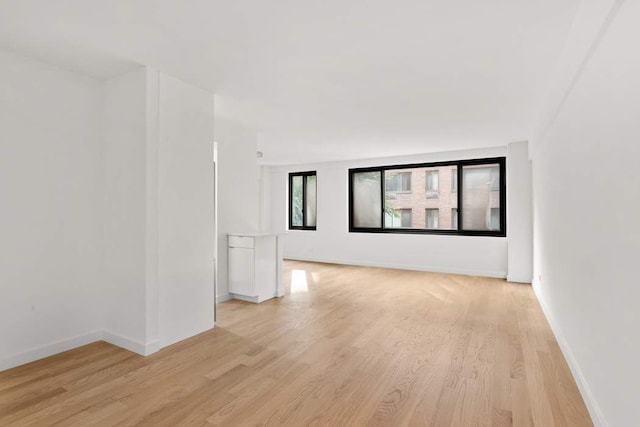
587,238
125,158
519,213
264,190
159,182
185,210
152,293
159,210
331,242
238,189
107,210
589,21
50,210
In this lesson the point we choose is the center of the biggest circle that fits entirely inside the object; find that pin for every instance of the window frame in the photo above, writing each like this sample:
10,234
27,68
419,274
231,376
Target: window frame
500,161
430,193
426,217
304,176
426,180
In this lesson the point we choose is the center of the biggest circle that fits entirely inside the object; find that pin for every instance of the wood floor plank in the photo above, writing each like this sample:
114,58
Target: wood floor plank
346,346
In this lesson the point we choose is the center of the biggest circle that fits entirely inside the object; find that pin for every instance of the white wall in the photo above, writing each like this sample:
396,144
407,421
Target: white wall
238,189
107,210
186,211
159,210
50,209
587,237
588,24
124,130
331,242
152,283
264,198
519,213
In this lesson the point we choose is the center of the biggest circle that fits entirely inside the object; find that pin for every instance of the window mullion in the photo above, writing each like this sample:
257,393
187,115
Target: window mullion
459,189
290,201
304,201
382,198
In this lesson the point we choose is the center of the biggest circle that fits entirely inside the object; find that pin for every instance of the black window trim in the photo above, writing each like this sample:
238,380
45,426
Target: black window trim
501,161
304,175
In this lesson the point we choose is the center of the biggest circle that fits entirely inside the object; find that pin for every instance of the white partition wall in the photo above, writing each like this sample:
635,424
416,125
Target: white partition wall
124,208
161,180
186,211
108,210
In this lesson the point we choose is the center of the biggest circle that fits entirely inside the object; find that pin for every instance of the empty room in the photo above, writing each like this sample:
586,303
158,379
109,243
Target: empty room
336,213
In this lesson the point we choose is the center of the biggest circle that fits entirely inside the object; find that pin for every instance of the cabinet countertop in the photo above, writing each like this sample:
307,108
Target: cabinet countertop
257,234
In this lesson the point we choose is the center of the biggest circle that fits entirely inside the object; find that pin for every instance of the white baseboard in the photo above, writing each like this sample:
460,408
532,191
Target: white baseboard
130,344
432,269
518,279
256,300
223,298
54,348
594,410
47,350
245,298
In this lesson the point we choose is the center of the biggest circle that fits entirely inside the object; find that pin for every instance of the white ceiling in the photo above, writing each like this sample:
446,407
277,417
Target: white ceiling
324,80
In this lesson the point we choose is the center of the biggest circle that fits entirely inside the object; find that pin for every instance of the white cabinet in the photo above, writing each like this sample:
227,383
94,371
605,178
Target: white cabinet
255,266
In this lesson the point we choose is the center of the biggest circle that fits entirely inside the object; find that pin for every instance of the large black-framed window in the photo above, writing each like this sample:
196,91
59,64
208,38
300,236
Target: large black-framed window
470,201
303,187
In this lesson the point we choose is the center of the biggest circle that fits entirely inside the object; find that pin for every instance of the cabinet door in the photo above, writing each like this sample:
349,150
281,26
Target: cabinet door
241,272
266,266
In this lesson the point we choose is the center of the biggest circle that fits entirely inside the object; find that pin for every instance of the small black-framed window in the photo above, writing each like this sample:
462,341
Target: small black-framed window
432,217
398,182
303,205
473,203
432,180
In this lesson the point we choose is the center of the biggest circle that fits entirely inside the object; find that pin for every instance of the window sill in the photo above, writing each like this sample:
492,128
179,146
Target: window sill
484,233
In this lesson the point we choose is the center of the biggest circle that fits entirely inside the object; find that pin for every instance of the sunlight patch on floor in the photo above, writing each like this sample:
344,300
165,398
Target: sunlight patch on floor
299,281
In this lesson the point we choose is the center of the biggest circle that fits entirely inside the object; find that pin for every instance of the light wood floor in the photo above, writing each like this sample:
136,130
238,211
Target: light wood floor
346,346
